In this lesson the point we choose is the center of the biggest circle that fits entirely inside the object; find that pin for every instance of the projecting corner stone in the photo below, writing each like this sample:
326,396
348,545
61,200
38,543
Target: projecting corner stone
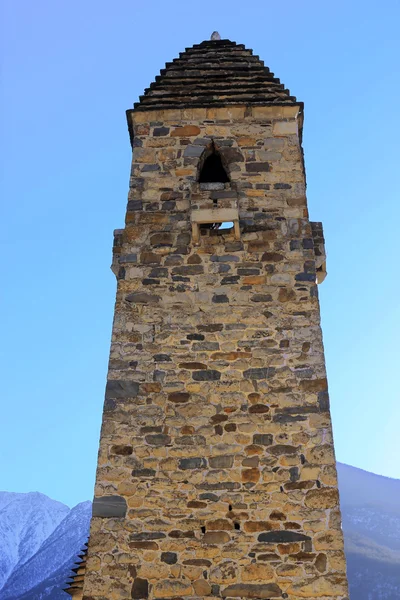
121,389
109,506
322,498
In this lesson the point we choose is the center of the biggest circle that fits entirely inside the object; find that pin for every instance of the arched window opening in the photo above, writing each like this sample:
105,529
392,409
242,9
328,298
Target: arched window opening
214,211
213,170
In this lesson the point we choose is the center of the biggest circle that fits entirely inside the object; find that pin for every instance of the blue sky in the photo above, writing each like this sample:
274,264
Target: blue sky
70,70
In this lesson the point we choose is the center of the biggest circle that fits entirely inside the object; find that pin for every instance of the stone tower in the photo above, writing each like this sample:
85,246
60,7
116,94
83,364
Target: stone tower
216,472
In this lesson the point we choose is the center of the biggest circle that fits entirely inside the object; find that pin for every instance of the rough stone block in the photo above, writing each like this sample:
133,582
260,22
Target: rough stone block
249,590
283,128
209,375
109,506
259,373
282,537
140,589
121,389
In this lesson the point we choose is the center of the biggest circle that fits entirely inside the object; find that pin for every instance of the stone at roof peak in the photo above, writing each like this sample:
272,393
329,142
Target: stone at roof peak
214,73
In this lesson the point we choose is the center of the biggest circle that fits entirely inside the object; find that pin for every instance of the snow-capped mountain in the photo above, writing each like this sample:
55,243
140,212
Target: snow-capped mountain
41,538
26,521
56,555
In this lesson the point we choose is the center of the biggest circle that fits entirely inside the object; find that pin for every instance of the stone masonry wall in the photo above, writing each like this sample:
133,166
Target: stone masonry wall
216,472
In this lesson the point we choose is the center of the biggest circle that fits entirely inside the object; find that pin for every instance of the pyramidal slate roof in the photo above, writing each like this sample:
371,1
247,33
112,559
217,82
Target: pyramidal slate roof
212,74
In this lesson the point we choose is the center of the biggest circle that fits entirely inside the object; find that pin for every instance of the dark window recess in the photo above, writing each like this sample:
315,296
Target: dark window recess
204,226
203,529
213,170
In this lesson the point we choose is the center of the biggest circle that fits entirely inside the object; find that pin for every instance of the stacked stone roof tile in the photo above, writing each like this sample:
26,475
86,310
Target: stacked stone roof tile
75,586
212,74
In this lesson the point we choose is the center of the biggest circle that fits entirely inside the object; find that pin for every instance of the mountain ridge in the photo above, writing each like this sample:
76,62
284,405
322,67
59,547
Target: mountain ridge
26,521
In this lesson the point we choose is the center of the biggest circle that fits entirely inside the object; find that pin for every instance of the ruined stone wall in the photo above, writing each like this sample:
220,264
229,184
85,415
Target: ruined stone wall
216,473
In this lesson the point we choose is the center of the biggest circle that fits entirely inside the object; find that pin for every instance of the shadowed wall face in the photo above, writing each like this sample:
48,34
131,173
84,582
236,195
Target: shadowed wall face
216,473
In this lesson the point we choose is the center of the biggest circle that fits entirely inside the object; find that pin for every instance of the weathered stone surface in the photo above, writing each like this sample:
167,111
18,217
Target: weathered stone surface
314,385
162,358
220,298
258,409
191,440
257,167
143,473
170,558
209,375
193,151
158,439
331,585
150,258
147,535
250,475
196,504
142,298
144,545
109,506
220,485
188,270
172,588
192,366
202,588
248,590
192,463
135,205
179,535
257,572
221,462
252,526
322,498
186,130
321,563
280,449
211,328
262,439
198,562
179,397
121,450
261,298
216,537
140,589
261,373
211,497
282,537
158,131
